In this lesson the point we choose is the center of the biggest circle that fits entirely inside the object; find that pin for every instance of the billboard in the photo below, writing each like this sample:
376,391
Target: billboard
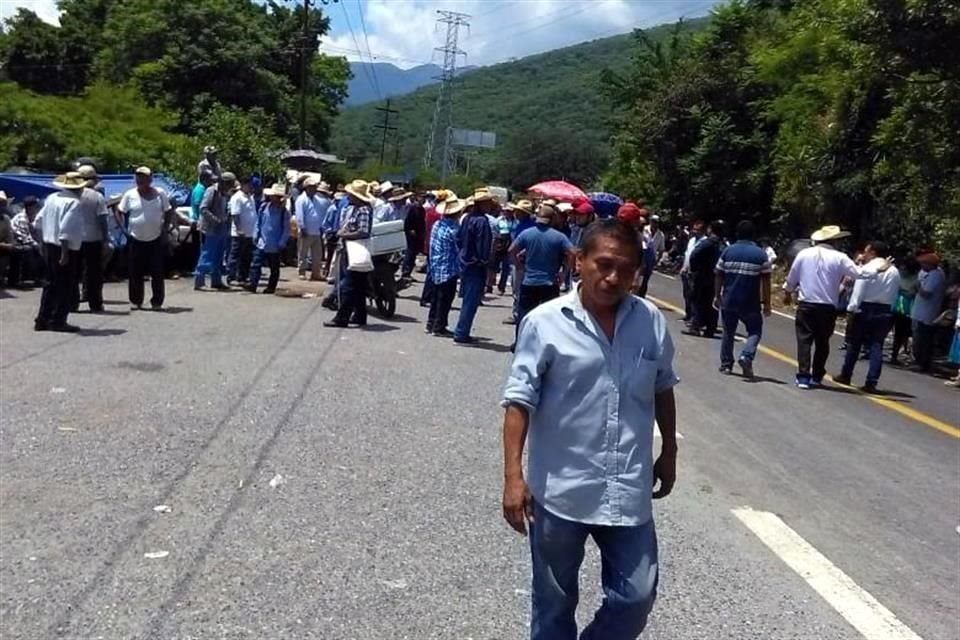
471,138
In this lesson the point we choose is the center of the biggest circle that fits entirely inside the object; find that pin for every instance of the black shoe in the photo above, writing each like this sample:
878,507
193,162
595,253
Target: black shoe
841,379
869,387
64,328
41,325
510,321
329,303
357,323
250,289
443,333
156,307
334,323
726,369
428,331
467,340
746,367
692,332
268,290
220,287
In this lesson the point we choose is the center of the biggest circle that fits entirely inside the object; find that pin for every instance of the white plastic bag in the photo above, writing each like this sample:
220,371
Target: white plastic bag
358,256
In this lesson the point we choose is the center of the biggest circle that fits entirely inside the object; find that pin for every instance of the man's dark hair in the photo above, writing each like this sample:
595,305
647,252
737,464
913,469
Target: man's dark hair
611,228
745,230
880,248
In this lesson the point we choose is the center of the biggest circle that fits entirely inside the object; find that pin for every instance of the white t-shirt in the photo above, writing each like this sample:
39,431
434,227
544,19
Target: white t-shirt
145,221
243,214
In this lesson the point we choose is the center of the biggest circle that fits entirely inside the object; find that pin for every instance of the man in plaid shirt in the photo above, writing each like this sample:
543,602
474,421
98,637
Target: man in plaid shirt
355,225
444,266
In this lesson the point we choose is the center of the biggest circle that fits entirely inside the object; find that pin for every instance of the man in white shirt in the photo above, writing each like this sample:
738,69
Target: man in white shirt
696,235
147,214
817,273
871,314
657,238
93,211
243,216
62,227
311,209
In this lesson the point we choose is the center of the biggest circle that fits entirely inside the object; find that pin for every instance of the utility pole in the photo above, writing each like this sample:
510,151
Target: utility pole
304,37
385,126
443,110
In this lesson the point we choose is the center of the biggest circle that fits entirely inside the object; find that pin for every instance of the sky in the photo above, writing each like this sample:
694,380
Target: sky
404,32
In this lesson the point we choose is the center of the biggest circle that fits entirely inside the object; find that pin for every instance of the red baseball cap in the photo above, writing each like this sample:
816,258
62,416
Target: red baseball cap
583,208
629,213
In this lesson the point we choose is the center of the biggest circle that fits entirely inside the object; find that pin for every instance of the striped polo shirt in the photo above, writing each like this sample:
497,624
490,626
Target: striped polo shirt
742,264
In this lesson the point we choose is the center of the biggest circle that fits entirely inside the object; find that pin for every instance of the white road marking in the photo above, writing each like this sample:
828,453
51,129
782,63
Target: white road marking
859,608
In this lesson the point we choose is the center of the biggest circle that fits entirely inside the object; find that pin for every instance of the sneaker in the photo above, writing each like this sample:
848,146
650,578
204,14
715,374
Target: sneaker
64,328
803,382
135,307
842,379
870,387
428,331
333,323
746,366
726,369
816,383
443,333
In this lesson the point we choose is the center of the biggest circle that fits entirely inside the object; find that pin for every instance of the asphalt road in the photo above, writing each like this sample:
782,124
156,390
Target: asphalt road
386,523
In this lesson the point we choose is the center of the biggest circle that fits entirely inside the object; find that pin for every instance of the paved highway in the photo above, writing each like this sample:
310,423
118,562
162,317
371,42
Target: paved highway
344,484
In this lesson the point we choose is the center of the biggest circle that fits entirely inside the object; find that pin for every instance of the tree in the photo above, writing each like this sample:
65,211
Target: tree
247,141
33,55
538,154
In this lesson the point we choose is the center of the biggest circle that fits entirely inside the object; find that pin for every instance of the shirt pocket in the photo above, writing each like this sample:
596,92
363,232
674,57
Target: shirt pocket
642,378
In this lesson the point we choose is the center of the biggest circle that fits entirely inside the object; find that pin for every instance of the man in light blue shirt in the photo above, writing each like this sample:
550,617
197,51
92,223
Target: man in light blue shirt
926,307
311,209
592,371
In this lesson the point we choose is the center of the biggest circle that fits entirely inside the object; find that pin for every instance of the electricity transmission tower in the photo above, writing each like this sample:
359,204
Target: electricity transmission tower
442,124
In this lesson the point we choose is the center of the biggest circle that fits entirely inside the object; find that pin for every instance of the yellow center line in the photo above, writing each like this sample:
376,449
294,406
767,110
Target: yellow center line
892,405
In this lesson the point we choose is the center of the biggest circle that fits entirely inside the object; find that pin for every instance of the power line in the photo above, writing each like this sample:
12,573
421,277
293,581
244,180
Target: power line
373,69
385,126
353,35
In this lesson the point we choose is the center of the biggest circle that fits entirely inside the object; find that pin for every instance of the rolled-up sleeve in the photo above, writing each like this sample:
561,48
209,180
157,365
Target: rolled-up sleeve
527,369
666,377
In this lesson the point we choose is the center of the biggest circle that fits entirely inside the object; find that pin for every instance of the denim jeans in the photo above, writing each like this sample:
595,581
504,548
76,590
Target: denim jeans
753,321
472,282
869,328
629,577
211,259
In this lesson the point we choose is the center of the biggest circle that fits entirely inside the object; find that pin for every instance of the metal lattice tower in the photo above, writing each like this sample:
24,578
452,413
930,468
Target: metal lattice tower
443,111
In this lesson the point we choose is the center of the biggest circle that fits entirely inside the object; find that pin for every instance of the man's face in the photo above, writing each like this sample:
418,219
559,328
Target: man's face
607,272
697,227
247,188
31,210
869,253
143,180
484,206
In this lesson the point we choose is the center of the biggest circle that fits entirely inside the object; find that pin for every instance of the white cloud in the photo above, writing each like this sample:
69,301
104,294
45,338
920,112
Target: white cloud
45,9
404,32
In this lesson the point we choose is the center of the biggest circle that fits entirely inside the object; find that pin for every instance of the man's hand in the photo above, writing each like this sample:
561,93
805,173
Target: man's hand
665,471
64,257
716,303
517,504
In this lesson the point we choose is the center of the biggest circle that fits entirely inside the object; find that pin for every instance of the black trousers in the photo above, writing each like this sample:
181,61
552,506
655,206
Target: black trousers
146,258
814,324
902,330
353,296
443,295
923,345
89,277
687,287
644,283
272,261
705,317
61,279
414,248
531,297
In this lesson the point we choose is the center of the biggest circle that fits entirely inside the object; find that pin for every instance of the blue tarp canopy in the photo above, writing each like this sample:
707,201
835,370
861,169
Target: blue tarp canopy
21,185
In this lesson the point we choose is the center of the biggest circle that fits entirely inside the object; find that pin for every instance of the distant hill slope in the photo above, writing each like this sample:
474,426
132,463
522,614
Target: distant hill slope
558,89
392,80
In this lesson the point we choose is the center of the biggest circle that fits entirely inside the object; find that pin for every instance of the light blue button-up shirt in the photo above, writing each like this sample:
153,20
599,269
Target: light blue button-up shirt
310,213
591,406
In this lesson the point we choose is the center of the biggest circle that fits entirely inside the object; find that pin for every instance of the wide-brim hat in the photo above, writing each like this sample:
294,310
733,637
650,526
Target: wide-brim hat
483,195
524,206
70,181
400,194
277,189
451,206
4,198
828,233
546,213
323,187
359,189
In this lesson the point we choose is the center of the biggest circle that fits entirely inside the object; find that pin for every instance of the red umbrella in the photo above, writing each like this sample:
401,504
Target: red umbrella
558,190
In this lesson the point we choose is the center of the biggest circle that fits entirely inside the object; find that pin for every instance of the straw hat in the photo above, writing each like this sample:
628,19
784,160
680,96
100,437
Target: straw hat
451,206
400,194
323,187
524,206
483,195
828,233
3,197
88,172
359,189
144,171
70,181
278,189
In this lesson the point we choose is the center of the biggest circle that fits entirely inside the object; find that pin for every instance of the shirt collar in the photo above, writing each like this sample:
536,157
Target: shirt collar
572,302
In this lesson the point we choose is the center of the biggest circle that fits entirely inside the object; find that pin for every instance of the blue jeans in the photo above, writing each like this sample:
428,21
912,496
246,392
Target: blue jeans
753,321
869,328
629,577
472,283
211,259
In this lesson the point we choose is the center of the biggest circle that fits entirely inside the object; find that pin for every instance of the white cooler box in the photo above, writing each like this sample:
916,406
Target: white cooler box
387,237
